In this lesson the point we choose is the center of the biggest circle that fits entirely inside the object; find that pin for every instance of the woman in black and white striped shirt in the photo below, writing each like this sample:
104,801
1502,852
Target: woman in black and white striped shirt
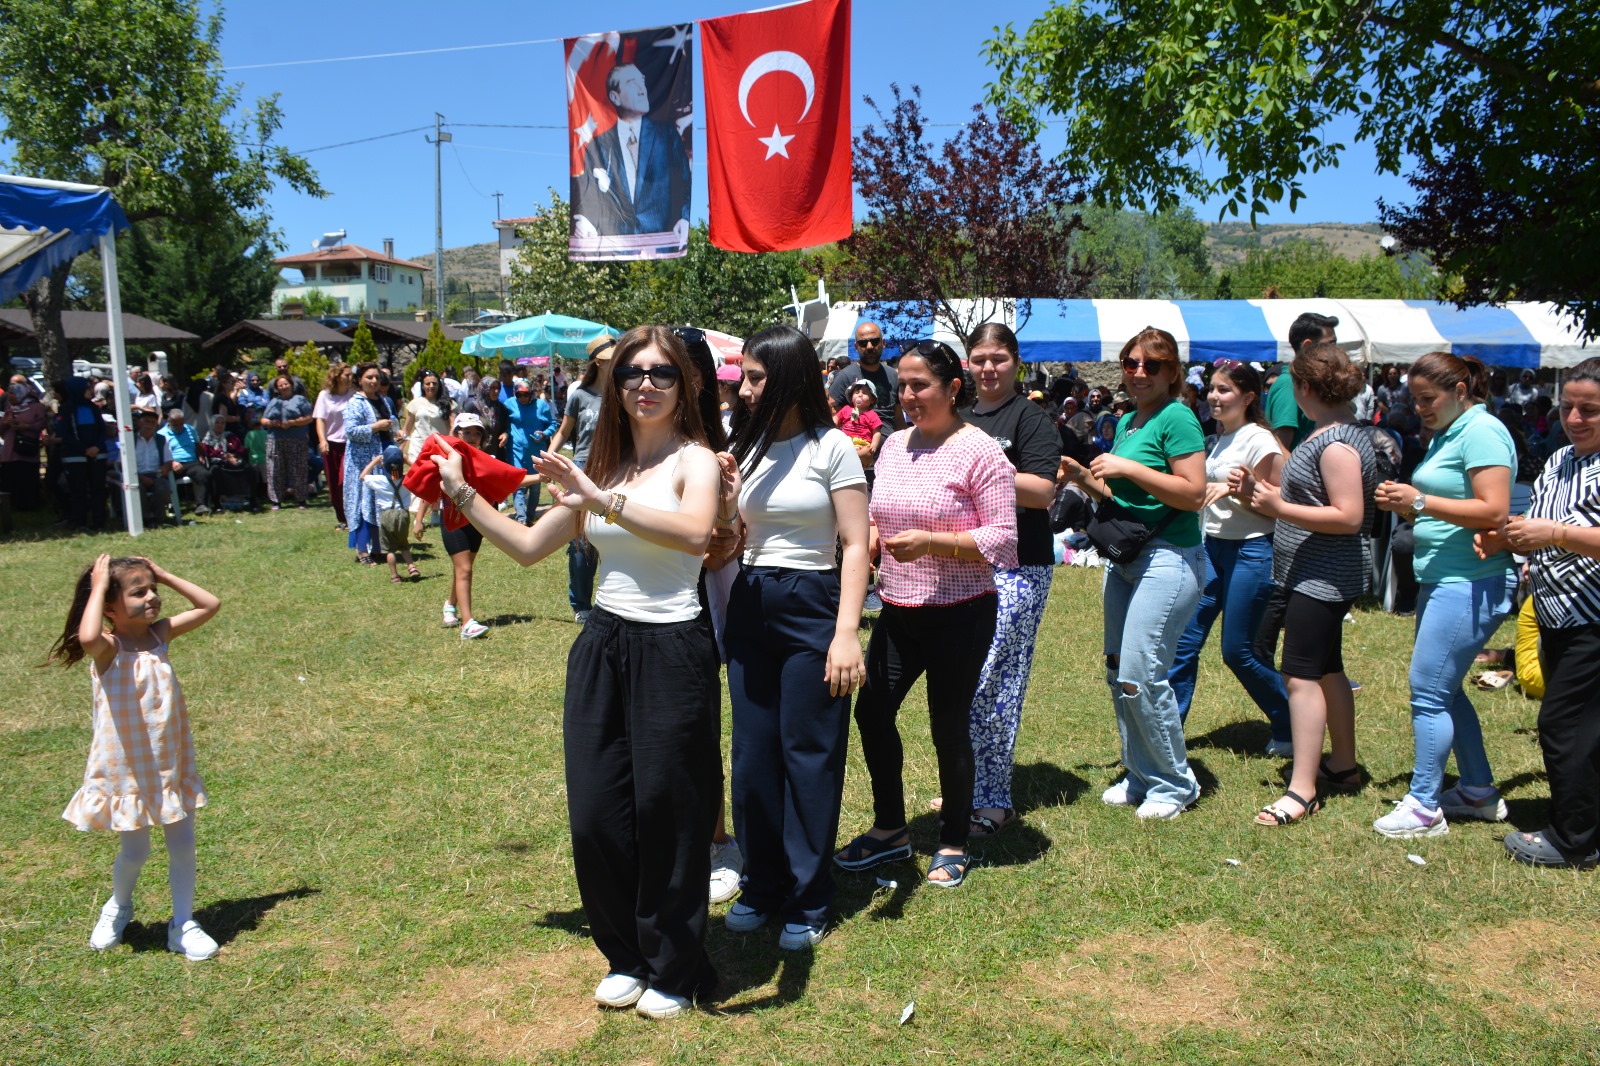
1561,537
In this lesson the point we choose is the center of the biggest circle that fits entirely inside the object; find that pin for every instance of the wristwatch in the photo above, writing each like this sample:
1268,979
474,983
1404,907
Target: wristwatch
1417,505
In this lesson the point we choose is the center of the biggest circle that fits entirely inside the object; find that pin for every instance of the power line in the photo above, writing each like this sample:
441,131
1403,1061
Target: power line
464,173
364,140
390,55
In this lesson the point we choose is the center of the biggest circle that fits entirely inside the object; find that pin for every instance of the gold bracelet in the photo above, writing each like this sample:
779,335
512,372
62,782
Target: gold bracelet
1559,537
614,509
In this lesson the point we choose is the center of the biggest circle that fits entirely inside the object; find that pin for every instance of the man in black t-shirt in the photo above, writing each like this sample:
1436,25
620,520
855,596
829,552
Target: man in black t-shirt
885,381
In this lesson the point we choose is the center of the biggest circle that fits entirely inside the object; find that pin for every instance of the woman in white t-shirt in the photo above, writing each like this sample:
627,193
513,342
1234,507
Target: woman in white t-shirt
795,486
1238,552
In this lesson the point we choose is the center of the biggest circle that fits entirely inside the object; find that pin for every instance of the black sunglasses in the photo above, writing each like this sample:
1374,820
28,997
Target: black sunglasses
630,377
870,342
689,335
1149,366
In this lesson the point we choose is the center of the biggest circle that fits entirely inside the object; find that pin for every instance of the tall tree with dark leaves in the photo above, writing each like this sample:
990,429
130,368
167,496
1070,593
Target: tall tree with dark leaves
1491,108
129,94
982,217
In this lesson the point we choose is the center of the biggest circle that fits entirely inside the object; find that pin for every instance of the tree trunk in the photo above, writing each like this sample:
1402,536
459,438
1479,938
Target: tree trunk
44,302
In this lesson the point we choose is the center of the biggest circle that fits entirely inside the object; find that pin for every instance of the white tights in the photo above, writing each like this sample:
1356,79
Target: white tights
181,865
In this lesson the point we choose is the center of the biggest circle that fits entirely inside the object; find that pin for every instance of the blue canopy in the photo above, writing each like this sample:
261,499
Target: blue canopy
43,226
547,334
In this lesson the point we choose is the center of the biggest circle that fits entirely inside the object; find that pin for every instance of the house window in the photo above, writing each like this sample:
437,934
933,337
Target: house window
383,305
380,272
344,303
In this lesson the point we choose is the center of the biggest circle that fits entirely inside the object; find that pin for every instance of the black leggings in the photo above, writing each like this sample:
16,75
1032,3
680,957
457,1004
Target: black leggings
1569,734
949,644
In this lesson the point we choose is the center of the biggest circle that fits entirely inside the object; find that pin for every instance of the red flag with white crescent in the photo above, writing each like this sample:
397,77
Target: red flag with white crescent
777,87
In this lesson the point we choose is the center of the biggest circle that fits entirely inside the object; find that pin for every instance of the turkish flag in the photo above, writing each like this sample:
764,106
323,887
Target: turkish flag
777,89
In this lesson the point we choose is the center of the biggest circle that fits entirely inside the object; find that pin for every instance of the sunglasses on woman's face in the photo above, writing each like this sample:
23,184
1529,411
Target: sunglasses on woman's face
1150,367
631,377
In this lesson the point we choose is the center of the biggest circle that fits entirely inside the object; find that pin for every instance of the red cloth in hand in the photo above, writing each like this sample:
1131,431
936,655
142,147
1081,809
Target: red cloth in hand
493,479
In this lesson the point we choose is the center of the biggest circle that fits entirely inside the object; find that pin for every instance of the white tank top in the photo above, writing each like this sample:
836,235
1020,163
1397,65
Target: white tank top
640,581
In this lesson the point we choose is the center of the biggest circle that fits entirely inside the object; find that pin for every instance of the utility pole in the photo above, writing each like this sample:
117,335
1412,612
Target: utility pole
497,196
439,137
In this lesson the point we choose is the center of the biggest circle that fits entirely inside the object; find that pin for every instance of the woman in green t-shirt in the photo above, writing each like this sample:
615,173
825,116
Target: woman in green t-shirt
1156,473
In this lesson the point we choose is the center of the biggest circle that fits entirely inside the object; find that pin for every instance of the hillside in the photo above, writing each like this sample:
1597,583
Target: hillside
1228,242
475,265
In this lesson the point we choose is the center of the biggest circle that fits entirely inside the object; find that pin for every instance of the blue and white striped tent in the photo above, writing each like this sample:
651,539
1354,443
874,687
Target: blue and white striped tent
1381,331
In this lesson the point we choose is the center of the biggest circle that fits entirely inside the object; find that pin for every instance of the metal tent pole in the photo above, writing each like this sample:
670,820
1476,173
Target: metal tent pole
132,511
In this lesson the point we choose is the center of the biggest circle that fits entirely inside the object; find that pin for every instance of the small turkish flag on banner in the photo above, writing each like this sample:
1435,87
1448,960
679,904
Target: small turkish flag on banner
777,89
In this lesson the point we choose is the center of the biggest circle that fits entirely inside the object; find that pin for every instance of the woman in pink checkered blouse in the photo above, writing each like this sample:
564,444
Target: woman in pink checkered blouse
945,511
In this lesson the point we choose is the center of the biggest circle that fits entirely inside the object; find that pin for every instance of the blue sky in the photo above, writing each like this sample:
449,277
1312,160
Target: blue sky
385,188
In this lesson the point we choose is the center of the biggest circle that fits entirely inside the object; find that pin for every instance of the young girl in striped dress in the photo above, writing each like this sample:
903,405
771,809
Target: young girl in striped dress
141,769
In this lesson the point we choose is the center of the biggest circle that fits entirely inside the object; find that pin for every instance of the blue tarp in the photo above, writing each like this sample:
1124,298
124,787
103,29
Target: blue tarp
72,222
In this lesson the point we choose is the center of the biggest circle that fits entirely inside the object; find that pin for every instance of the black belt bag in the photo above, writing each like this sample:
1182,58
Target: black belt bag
1117,535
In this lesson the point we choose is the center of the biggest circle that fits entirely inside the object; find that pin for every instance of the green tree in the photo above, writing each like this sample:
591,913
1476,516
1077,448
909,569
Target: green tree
1135,256
129,94
309,364
1497,102
1303,269
544,279
314,303
363,349
438,353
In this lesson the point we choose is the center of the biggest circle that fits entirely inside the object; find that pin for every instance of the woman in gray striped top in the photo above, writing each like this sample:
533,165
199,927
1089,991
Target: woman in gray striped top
1321,562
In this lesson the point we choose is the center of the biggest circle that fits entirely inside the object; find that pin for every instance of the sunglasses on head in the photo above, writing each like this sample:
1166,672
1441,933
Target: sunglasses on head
689,334
630,377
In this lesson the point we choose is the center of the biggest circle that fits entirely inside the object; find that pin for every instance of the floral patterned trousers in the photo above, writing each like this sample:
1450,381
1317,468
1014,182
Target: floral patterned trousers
997,708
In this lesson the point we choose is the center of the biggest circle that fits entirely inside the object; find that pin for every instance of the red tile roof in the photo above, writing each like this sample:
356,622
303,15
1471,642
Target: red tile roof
345,253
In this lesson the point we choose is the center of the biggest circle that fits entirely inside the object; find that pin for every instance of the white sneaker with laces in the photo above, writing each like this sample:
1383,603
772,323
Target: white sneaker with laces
727,864
108,930
743,918
653,1004
191,941
1454,803
1411,819
1156,809
619,990
1119,795
797,936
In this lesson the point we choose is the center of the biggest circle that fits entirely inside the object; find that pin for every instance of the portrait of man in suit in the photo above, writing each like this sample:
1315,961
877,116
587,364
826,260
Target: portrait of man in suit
635,178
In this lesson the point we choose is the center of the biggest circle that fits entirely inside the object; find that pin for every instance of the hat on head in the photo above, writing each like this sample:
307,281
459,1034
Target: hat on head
468,420
1035,395
600,347
730,373
1121,397
523,386
863,383
393,456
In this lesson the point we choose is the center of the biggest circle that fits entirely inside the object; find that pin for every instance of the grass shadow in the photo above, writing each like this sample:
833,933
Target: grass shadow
224,920
506,619
1248,736
1531,813
755,969
1202,773
573,922
1044,784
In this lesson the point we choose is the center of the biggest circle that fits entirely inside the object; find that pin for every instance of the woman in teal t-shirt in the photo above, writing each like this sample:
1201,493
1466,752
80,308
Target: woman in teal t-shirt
1462,485
1156,471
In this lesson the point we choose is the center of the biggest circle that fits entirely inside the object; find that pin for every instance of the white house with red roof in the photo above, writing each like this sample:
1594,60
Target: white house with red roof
360,279
509,242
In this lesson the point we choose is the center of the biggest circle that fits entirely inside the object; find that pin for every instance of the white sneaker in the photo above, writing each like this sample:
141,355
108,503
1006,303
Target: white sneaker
1455,804
1156,809
743,918
797,936
473,629
191,942
653,1004
1280,749
108,929
1119,795
452,617
1411,819
727,863
618,990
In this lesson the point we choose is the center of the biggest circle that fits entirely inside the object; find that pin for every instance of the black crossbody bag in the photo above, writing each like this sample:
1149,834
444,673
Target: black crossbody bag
1117,535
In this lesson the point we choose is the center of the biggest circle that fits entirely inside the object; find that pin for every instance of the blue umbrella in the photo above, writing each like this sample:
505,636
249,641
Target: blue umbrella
547,334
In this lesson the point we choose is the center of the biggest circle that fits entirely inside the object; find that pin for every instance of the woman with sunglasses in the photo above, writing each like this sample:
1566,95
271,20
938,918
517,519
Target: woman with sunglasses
944,507
1238,542
1156,474
793,649
640,727
328,414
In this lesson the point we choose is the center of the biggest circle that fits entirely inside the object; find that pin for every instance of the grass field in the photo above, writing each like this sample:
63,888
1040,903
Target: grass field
385,861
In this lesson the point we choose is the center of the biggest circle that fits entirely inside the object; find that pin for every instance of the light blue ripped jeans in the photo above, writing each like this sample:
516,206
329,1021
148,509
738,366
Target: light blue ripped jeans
1148,604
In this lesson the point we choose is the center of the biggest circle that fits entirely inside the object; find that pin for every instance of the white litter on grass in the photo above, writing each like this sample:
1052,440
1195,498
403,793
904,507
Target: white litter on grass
302,677
1418,859
238,521
884,882
905,1015
1231,862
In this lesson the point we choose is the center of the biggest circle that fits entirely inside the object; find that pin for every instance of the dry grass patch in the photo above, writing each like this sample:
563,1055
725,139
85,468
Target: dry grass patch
1534,963
1189,975
519,1007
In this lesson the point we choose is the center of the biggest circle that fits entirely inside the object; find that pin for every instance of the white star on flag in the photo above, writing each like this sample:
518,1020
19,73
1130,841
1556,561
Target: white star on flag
777,144
676,42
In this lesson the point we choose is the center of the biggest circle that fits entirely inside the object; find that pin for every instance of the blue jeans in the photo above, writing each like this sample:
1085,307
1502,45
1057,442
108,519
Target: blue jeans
1148,602
582,563
525,500
1238,586
1454,621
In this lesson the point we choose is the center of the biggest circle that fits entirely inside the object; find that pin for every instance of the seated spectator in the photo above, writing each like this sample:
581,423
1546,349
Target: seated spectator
226,460
152,460
184,448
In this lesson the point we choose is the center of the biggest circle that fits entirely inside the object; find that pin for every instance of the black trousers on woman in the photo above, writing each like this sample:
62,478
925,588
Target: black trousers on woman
949,644
789,737
1569,734
641,753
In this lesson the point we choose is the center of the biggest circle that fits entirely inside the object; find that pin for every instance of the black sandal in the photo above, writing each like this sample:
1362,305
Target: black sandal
984,826
1272,814
865,852
1338,781
955,865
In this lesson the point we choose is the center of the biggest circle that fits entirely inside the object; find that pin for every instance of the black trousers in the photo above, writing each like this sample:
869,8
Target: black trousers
641,755
789,737
1569,734
949,644
86,492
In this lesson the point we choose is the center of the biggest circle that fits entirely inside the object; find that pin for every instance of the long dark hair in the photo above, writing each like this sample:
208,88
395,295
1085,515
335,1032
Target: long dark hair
443,402
1245,378
613,434
944,364
68,649
794,383
710,401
